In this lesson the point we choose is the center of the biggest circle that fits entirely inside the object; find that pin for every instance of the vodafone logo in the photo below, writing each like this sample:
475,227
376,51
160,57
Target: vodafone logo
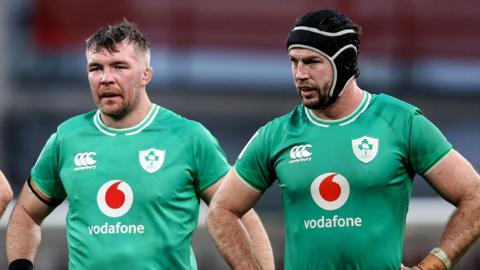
115,198
330,191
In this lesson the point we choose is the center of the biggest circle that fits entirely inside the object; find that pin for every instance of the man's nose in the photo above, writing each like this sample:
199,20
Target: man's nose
107,77
301,71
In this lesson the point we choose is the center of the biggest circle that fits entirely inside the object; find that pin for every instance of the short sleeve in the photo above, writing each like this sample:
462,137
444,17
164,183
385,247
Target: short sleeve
45,182
253,164
211,162
428,145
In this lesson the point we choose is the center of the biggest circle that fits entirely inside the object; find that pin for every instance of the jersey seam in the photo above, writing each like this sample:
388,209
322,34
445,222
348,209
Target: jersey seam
245,182
145,123
364,105
46,199
435,164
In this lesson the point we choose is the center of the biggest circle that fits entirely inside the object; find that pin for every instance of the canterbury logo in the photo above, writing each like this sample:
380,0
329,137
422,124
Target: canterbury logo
300,153
85,161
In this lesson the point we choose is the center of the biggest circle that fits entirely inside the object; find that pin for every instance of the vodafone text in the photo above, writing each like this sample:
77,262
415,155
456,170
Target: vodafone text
334,222
117,228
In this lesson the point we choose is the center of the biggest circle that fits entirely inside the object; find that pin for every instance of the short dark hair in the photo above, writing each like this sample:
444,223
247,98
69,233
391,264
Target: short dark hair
109,36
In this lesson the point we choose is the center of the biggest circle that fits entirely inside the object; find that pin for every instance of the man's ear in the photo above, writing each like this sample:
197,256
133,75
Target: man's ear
147,75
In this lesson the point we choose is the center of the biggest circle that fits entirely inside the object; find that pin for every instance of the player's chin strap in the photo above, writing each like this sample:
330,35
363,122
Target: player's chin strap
436,260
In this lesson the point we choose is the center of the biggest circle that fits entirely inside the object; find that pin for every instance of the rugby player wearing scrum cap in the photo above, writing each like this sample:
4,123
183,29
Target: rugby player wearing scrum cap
345,160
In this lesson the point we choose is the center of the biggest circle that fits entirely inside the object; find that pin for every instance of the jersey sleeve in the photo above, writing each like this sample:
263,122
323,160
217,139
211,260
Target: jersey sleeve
45,181
428,145
254,163
211,162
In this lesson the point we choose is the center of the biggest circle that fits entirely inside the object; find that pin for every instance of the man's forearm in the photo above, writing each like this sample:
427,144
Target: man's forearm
23,236
463,229
232,239
6,194
5,198
262,249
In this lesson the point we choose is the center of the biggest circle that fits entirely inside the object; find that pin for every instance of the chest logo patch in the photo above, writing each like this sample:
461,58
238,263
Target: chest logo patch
300,153
151,159
114,198
365,148
330,191
85,161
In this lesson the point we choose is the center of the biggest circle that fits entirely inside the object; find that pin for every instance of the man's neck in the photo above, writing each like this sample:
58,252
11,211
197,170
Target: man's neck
132,118
345,104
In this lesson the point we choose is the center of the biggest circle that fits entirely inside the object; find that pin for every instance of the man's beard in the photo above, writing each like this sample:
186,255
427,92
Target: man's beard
320,104
118,114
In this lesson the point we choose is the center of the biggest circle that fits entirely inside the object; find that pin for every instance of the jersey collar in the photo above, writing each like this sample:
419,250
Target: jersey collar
97,121
343,121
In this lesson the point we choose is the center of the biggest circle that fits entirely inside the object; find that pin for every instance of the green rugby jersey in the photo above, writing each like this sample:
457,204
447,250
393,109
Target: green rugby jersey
345,184
132,193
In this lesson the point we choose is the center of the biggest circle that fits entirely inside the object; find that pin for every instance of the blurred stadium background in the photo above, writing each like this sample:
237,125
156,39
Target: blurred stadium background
224,64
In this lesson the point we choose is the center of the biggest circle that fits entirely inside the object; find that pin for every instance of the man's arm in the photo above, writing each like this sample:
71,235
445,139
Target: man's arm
236,229
455,179
23,230
6,193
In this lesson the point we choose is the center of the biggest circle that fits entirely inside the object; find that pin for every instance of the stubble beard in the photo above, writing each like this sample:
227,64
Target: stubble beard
321,102
116,111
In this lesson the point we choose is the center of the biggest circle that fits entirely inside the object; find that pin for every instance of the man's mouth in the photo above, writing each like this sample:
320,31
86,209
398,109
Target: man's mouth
307,91
109,95
110,98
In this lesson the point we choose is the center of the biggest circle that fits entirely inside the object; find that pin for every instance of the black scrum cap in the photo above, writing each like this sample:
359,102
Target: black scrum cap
334,36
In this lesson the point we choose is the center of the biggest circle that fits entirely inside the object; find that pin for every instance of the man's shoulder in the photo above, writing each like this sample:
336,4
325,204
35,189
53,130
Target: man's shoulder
285,124
393,102
77,121
177,123
392,110
291,118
